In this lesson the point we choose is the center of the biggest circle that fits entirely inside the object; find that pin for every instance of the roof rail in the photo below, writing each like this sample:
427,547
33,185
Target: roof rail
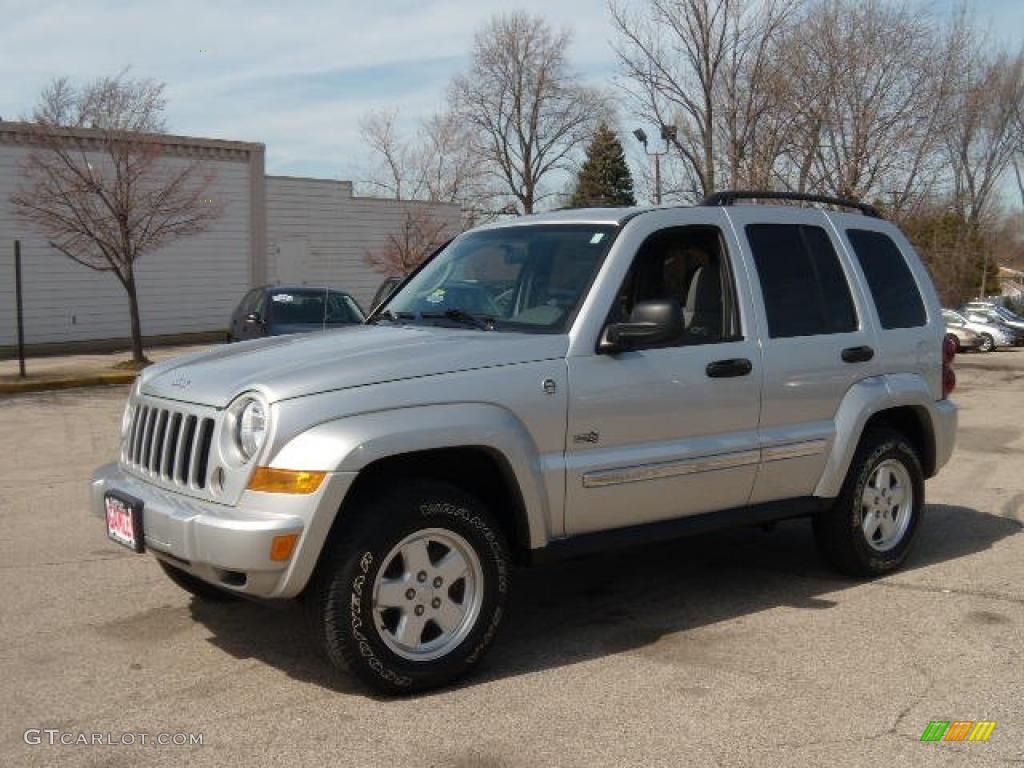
730,196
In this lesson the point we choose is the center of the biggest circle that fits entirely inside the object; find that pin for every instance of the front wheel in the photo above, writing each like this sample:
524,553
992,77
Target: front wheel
869,529
413,590
987,343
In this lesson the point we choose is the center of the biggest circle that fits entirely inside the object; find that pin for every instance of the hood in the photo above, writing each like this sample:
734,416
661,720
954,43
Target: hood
280,329
282,367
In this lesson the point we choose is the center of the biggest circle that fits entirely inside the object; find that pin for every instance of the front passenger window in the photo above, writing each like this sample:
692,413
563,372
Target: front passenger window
686,264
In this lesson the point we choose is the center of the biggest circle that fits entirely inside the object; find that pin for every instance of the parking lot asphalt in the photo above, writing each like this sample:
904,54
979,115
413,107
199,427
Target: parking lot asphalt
731,649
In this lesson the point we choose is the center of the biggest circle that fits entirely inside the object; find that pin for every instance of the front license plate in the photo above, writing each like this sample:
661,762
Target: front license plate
124,520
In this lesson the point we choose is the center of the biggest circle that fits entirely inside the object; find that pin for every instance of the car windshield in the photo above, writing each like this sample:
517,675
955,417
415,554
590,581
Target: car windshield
306,307
526,278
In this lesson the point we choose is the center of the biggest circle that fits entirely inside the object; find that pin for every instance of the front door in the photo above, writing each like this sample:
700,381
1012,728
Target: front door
669,431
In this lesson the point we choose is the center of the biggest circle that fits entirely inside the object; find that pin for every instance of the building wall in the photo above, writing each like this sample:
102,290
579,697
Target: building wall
318,233
274,229
190,286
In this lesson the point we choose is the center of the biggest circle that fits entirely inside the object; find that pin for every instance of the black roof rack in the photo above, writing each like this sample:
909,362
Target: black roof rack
730,196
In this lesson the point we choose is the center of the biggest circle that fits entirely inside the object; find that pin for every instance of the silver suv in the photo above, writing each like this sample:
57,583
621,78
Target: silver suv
545,387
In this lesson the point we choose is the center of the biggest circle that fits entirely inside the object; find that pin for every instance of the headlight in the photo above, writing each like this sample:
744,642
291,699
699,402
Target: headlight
251,429
129,410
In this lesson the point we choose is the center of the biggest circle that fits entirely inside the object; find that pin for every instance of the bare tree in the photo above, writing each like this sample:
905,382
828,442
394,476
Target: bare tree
707,67
420,234
526,109
981,141
435,164
394,177
96,183
871,85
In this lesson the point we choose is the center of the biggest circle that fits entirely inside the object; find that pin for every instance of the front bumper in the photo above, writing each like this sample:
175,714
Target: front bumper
229,546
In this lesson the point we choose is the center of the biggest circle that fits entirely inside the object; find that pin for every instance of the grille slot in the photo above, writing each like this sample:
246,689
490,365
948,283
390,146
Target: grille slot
188,435
170,444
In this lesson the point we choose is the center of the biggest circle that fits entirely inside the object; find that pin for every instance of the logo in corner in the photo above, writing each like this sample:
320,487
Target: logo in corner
181,382
958,730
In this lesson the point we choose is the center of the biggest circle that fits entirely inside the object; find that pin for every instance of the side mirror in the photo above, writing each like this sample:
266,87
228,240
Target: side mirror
650,323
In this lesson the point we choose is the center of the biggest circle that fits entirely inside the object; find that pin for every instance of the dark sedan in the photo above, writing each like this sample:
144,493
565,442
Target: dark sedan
273,310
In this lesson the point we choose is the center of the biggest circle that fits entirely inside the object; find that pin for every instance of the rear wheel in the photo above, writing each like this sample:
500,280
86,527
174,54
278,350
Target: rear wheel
412,592
987,343
869,529
195,586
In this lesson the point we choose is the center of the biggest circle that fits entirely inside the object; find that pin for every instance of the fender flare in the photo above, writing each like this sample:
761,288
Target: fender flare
863,400
351,443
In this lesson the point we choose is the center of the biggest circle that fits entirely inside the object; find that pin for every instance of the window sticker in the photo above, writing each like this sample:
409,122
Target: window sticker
597,238
283,298
437,296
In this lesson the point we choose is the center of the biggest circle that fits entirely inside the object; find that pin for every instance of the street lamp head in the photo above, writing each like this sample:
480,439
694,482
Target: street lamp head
668,132
640,136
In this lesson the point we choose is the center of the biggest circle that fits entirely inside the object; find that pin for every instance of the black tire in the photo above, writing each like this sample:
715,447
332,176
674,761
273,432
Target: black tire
987,343
838,531
197,587
339,601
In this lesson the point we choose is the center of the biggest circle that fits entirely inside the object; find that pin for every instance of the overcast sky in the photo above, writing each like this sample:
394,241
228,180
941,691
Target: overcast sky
295,75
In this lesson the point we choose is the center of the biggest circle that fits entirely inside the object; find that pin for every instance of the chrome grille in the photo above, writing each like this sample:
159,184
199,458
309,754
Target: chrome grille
170,444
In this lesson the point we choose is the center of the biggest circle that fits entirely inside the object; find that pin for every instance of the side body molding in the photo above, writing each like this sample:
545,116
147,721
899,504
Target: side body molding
878,393
351,443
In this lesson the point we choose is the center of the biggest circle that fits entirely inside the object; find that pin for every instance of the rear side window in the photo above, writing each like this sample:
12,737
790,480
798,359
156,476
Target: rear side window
892,285
805,291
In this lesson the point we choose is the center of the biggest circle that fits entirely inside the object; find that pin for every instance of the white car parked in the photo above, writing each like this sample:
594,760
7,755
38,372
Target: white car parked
993,335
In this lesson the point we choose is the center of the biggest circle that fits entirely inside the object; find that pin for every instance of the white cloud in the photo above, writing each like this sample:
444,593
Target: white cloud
296,76
265,71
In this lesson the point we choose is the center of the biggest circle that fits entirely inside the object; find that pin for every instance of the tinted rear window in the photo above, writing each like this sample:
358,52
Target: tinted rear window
805,291
892,285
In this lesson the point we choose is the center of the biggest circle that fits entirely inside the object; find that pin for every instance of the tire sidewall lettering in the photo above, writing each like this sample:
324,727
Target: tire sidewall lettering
478,524
356,626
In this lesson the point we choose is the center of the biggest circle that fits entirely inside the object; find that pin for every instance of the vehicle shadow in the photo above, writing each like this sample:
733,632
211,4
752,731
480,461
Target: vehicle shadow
568,612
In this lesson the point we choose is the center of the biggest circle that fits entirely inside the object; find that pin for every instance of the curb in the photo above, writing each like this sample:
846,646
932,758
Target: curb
67,382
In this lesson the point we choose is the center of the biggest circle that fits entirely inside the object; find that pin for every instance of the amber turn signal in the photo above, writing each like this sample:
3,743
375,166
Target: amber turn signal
281,547
269,480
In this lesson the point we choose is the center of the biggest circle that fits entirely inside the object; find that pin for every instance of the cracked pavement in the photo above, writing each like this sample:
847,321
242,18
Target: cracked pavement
736,649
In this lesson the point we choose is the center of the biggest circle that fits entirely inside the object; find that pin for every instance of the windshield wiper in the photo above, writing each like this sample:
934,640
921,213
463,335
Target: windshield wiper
458,315
394,317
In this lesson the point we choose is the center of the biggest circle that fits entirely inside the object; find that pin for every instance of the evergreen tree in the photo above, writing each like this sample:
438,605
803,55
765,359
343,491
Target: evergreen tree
604,179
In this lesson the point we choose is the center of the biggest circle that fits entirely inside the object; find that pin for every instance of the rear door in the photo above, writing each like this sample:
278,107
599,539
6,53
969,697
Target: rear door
909,339
817,338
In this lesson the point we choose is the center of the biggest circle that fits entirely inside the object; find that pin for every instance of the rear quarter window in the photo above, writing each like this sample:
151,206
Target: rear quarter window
892,285
805,291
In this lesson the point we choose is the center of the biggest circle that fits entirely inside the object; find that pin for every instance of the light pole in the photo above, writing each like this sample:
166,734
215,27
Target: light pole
668,132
